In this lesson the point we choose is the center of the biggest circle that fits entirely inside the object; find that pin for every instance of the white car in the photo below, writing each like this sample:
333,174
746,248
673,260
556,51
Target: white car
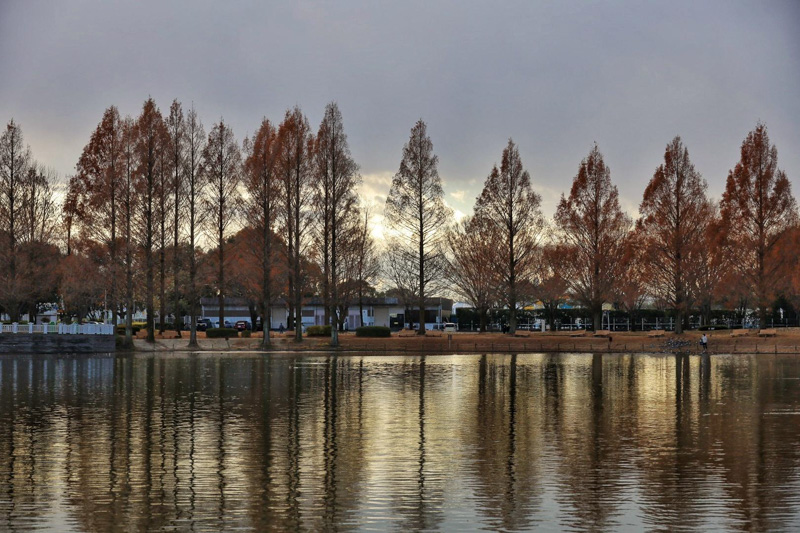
449,327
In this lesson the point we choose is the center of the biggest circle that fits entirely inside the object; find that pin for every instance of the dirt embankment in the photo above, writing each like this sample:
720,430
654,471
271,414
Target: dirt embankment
720,342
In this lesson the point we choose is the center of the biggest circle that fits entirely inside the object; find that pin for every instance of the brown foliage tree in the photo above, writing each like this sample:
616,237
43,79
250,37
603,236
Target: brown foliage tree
222,168
593,227
296,172
151,141
261,210
631,288
81,285
758,210
714,270
128,199
510,208
97,179
674,216
552,288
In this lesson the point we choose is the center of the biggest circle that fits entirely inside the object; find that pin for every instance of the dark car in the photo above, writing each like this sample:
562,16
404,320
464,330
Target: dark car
201,325
242,325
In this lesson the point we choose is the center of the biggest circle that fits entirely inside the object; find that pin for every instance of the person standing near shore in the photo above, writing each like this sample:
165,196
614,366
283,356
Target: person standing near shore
704,342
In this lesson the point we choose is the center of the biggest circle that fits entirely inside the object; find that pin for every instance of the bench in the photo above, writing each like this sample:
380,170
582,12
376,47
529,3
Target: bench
579,333
740,333
602,333
656,333
771,332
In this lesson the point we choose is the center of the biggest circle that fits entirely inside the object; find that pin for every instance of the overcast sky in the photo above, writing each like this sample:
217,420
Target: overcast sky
554,76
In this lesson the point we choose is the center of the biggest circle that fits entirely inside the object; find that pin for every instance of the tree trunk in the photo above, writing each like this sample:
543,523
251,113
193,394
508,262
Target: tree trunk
597,319
151,334
162,302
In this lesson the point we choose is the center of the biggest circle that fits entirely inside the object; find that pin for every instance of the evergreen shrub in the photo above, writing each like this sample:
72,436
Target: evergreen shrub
373,331
220,333
318,331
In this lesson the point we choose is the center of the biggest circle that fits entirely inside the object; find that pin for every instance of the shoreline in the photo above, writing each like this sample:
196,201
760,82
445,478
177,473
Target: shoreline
786,342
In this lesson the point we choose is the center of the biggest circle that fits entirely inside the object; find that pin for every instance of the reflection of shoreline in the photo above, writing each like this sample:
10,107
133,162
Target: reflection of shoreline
327,442
786,342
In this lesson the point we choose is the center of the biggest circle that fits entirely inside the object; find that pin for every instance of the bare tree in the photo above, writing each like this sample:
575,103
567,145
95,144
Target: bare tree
176,125
416,216
593,227
261,178
222,168
402,276
758,210
511,209
335,200
472,253
164,211
15,161
366,266
195,146
675,213
38,220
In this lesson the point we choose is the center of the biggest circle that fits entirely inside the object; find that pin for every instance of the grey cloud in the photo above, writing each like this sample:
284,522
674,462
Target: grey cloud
554,76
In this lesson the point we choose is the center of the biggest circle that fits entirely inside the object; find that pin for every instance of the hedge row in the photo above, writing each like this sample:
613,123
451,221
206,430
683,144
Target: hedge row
318,331
373,331
219,333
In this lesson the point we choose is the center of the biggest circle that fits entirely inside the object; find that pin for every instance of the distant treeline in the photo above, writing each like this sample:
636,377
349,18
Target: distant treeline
159,214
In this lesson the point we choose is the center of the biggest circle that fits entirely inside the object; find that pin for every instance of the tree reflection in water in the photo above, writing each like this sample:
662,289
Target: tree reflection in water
511,442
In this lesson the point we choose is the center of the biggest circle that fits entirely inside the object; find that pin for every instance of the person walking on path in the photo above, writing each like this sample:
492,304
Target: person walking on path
704,342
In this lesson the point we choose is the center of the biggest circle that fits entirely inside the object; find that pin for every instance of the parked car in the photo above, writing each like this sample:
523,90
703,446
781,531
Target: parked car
449,327
227,324
242,325
204,324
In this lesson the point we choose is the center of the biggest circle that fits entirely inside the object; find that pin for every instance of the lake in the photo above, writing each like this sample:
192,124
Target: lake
335,442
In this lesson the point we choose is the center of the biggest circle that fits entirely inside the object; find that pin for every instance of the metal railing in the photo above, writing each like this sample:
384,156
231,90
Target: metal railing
59,329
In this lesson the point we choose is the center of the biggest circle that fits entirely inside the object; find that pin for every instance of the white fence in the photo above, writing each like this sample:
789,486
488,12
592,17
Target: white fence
60,329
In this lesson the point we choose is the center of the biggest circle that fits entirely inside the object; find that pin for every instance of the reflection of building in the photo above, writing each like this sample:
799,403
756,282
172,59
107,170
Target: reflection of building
376,312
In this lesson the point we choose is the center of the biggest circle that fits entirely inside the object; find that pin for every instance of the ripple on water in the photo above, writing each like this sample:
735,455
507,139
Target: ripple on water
561,442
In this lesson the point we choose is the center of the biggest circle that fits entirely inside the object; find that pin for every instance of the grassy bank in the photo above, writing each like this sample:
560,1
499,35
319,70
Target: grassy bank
720,342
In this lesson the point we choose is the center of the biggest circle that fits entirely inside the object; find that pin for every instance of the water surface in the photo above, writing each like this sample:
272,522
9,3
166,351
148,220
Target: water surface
494,442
